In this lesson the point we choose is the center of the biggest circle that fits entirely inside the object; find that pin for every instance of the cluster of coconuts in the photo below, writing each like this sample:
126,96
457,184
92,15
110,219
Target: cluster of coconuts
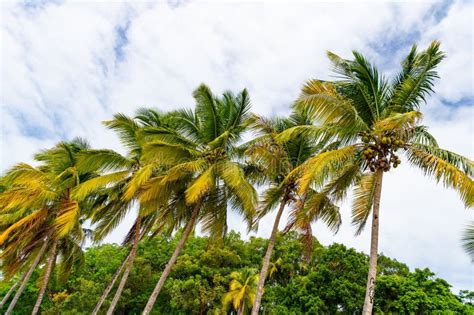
379,151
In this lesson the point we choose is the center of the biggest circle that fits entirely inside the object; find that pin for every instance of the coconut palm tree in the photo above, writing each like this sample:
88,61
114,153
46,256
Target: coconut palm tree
202,150
40,216
241,294
122,176
374,119
275,158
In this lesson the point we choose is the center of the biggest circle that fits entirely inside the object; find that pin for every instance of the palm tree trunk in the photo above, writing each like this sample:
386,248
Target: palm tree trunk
47,275
110,286
241,309
121,285
171,262
10,292
374,241
26,278
266,260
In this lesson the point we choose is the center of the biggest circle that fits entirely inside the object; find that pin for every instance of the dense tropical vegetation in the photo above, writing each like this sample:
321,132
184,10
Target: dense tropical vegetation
332,281
191,167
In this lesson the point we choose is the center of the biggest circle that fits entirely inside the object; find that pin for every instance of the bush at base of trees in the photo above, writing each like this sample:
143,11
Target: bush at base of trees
332,282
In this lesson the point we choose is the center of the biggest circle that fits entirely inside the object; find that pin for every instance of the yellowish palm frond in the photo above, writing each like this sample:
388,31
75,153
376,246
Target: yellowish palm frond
136,182
398,121
363,200
444,172
234,178
297,131
153,190
185,169
83,190
67,218
25,223
317,169
18,198
166,154
201,185
24,174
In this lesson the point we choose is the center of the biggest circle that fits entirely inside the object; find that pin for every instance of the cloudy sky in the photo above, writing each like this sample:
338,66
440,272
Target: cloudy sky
68,65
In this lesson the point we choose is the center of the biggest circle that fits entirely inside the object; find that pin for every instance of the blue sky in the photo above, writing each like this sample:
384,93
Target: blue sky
68,65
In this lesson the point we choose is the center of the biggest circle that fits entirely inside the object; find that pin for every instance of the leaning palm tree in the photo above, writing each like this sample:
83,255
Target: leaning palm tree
373,119
275,158
241,294
40,215
122,176
202,150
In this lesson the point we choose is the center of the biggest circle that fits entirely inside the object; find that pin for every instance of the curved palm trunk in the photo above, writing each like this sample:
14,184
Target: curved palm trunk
374,241
26,278
10,292
123,281
47,275
169,265
110,286
266,260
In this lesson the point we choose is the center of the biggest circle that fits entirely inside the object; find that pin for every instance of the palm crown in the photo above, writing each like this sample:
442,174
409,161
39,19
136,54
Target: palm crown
371,119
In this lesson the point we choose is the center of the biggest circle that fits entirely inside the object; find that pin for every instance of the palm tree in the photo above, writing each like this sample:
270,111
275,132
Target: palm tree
40,216
117,188
275,158
202,152
241,294
373,119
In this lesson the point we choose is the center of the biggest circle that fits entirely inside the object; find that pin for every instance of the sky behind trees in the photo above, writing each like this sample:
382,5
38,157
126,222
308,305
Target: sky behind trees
68,65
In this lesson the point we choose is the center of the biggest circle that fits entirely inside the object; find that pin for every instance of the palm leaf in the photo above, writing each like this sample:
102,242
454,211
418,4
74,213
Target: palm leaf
363,200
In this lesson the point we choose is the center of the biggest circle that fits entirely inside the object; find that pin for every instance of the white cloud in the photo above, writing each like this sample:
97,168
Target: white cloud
61,75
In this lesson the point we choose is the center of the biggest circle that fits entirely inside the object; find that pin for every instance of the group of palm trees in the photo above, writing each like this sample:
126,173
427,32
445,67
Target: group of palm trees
189,167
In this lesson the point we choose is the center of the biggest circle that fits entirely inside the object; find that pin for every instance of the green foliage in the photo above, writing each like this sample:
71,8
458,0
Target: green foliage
332,282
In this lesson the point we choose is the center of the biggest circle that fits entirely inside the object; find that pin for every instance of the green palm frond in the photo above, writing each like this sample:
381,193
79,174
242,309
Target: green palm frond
468,240
416,83
102,160
325,104
126,129
420,135
206,109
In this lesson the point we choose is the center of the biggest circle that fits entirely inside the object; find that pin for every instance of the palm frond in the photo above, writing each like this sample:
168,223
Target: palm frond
434,165
417,83
86,188
319,168
363,200
67,217
201,185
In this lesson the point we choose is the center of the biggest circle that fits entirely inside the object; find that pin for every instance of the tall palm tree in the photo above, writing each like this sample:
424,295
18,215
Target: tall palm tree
202,150
122,176
241,294
275,158
40,216
373,119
